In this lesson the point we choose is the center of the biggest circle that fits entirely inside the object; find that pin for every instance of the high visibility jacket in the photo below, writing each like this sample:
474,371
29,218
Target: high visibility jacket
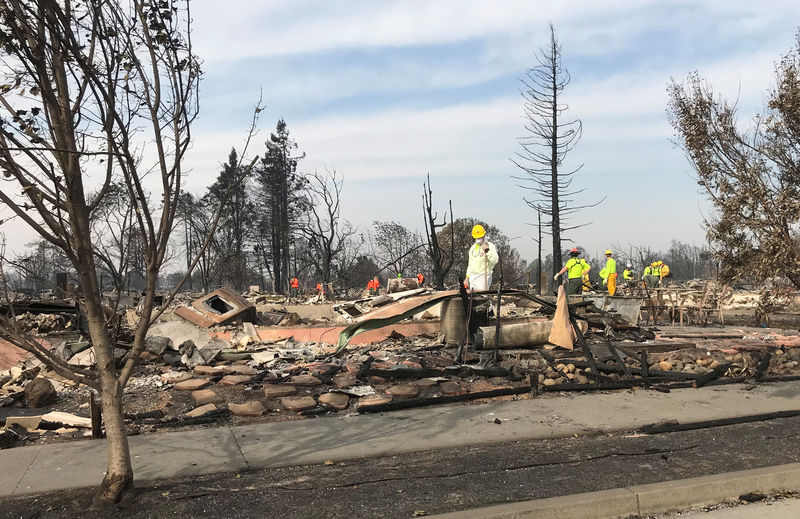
627,274
479,265
610,268
576,267
370,285
420,278
295,283
319,286
648,271
376,283
656,271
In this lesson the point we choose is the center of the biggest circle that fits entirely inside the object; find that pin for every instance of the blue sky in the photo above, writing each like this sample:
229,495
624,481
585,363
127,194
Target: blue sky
388,91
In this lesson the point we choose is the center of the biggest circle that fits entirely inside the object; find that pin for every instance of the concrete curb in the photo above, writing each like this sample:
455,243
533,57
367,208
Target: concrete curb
654,498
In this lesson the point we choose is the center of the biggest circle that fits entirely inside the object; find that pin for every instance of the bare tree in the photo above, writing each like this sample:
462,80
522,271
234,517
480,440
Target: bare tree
396,247
751,176
97,93
441,262
548,140
326,232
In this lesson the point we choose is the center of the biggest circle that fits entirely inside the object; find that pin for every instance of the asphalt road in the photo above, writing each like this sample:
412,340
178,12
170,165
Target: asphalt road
447,480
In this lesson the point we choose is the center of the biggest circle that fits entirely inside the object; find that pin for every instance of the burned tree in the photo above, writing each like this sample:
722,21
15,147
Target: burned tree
751,176
230,195
441,262
397,248
282,204
326,232
547,141
94,94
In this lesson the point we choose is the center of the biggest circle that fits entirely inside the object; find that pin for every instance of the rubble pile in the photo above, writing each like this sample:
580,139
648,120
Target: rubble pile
261,357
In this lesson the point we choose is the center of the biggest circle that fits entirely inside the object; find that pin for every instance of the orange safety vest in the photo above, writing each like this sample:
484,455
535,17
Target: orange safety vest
319,286
295,283
370,284
420,278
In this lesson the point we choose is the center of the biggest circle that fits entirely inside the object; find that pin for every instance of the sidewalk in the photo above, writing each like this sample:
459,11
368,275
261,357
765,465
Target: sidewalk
236,448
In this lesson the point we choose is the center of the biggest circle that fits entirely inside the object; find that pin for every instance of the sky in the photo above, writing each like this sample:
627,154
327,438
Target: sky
387,92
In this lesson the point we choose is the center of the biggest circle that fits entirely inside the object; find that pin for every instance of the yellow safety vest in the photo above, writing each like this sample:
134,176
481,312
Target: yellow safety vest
627,274
575,267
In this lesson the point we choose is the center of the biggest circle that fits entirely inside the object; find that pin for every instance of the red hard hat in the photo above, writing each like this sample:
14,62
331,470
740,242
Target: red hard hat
574,250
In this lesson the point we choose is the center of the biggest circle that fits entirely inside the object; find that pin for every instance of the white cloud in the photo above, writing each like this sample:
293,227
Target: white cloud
293,27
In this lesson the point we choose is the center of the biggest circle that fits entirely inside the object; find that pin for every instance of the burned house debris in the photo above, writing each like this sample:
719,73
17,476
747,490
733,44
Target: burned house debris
225,356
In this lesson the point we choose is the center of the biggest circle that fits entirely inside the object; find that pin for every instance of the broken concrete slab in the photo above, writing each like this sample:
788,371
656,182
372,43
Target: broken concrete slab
343,380
335,400
220,307
375,399
29,423
305,380
68,419
157,345
192,384
179,332
298,403
193,355
173,377
197,412
83,359
234,380
404,390
451,389
239,369
207,371
205,396
279,390
251,408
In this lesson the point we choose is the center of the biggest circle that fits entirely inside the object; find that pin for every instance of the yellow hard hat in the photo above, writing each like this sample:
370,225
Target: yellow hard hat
608,252
478,231
659,262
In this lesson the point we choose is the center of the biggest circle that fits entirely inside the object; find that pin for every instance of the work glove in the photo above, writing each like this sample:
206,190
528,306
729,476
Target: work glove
605,282
555,278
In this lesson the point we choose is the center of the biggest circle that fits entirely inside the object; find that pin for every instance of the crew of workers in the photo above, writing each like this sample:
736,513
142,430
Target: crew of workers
577,270
482,258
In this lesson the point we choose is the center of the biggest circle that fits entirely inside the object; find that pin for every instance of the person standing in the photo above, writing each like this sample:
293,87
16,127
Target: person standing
482,259
575,268
609,273
420,278
295,284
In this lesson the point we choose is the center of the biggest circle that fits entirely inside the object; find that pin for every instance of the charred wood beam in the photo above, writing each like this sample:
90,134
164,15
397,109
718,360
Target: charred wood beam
157,414
483,371
645,364
711,375
552,363
763,366
428,401
668,427
404,373
606,386
617,358
582,342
